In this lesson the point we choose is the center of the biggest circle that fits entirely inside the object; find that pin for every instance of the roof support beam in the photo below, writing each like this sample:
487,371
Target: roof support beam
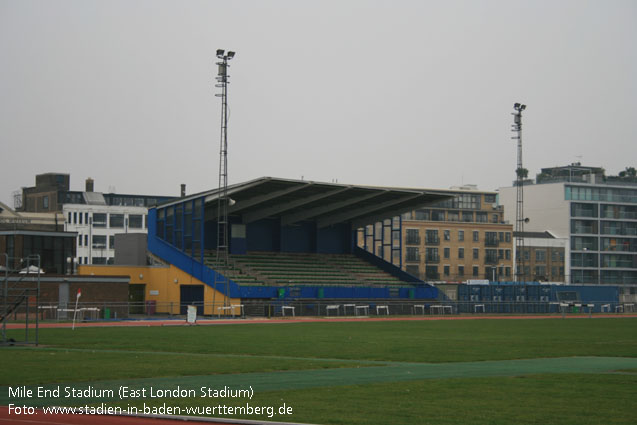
315,212
264,198
427,200
364,211
278,209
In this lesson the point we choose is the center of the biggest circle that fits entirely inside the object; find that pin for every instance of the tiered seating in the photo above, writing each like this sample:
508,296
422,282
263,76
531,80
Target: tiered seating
233,272
364,271
274,268
294,269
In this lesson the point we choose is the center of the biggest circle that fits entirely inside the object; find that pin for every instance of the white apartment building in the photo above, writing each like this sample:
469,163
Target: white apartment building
595,214
97,224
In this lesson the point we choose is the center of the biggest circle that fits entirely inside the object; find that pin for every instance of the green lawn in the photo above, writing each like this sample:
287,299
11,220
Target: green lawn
360,372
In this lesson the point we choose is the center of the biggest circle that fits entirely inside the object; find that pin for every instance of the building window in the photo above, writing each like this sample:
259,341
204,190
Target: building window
446,252
80,218
489,199
460,270
111,242
99,220
460,252
446,270
460,235
431,255
447,235
495,218
413,237
437,215
99,242
476,236
476,253
467,216
45,202
431,237
507,254
476,271
453,216
85,241
491,238
540,255
79,240
116,221
413,254
99,260
135,221
481,217
507,236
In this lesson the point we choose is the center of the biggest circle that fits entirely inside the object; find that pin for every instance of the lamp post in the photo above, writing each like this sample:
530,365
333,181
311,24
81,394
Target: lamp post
519,206
222,204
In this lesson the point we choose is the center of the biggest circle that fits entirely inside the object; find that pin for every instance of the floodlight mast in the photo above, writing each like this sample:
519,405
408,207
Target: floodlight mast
222,205
519,205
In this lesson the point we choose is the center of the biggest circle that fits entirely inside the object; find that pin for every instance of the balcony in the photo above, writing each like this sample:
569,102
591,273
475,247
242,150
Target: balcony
491,242
432,240
412,240
490,259
432,259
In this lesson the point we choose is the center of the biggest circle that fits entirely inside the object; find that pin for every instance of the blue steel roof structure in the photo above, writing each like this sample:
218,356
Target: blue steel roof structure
294,201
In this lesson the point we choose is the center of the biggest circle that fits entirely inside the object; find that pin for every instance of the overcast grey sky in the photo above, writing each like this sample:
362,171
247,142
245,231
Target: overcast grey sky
395,93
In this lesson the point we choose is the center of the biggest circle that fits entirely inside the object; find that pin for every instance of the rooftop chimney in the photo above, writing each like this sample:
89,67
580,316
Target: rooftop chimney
89,185
183,190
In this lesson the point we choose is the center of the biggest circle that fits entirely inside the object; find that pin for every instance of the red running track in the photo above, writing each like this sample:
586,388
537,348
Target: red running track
172,322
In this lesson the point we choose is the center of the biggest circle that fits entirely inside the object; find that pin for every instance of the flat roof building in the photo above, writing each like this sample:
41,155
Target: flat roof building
595,214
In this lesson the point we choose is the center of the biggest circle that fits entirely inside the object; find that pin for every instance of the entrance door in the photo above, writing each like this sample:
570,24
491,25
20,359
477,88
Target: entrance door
136,295
191,295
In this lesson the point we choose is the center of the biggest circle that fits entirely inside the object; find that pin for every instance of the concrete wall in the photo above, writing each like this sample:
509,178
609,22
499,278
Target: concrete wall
544,205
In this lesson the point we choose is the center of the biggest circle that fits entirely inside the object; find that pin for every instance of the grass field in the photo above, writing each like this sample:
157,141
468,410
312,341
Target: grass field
400,372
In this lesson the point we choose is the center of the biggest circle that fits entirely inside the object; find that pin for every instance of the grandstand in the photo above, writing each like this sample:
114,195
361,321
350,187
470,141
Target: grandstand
289,234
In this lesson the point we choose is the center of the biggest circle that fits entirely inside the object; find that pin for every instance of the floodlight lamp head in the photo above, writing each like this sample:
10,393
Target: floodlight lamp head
220,53
230,55
522,107
516,106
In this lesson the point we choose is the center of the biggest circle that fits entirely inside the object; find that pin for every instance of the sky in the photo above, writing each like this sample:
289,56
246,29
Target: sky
389,93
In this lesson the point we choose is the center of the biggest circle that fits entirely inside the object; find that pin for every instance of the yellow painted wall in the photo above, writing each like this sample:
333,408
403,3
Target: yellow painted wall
162,285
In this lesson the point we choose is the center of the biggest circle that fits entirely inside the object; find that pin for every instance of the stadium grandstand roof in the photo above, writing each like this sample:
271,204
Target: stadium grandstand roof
294,201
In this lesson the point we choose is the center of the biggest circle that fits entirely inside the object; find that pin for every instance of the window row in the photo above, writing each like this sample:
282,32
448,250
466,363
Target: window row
432,237
607,194
96,260
454,216
540,254
115,221
97,241
491,256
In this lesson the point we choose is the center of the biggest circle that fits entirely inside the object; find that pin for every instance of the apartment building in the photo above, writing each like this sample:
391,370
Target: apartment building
460,239
94,216
596,215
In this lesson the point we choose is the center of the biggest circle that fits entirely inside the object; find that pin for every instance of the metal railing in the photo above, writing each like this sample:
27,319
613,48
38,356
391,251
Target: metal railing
87,312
